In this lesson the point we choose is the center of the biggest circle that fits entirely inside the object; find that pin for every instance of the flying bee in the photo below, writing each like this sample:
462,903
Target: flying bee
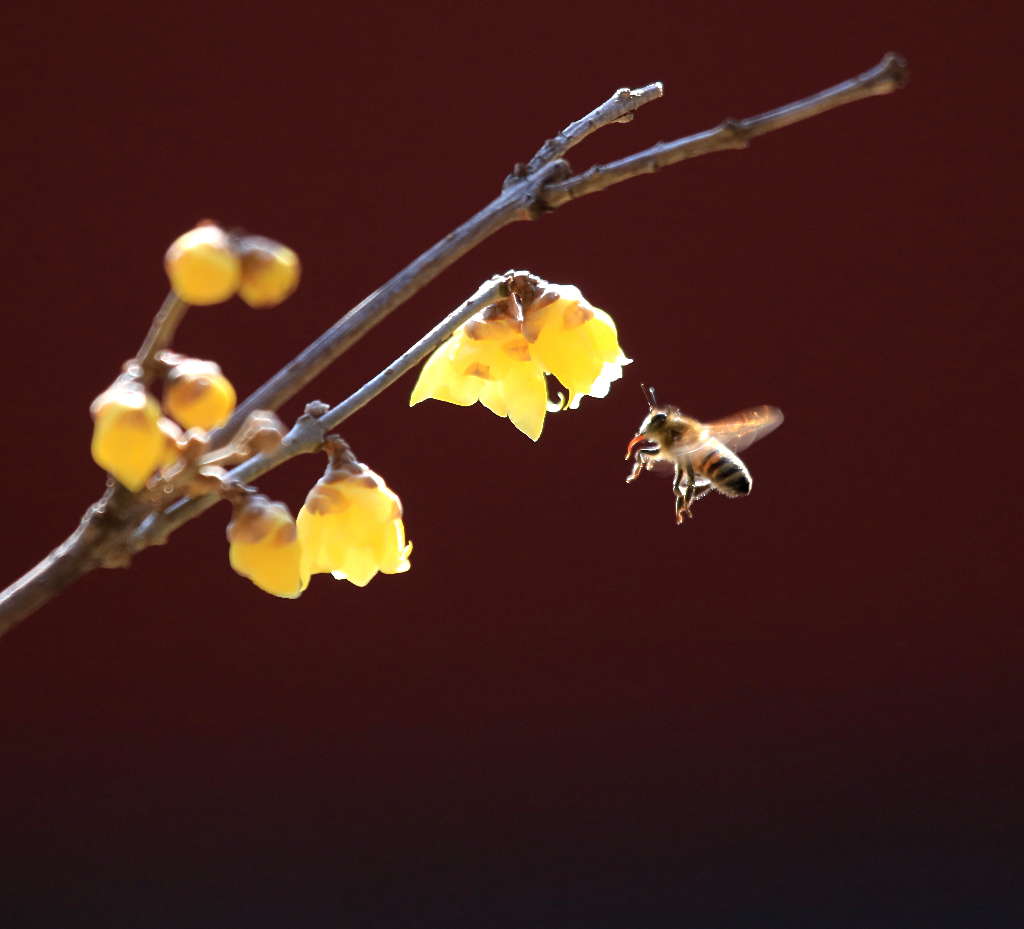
703,454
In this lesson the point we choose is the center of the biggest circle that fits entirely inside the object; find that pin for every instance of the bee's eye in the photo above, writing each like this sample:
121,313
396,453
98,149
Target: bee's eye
658,419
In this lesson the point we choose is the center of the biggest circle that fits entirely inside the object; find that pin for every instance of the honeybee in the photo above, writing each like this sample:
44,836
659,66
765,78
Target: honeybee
703,454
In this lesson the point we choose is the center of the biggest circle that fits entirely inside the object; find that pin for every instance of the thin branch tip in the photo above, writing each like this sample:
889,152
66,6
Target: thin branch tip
894,66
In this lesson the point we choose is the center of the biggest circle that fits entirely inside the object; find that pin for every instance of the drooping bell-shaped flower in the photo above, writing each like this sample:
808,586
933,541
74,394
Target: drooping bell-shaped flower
501,355
488,359
351,523
575,341
264,546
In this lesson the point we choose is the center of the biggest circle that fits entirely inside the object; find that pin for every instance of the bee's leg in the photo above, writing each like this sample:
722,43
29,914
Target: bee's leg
691,485
683,498
640,459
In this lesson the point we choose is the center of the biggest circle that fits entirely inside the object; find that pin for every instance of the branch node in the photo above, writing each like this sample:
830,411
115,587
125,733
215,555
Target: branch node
315,409
740,137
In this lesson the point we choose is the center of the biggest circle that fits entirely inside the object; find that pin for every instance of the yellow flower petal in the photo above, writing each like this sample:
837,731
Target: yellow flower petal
526,392
440,380
577,343
265,547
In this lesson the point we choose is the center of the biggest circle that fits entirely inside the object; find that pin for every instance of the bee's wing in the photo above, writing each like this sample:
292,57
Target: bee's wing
745,427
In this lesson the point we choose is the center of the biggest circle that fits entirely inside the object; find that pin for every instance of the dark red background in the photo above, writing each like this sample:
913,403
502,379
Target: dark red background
803,709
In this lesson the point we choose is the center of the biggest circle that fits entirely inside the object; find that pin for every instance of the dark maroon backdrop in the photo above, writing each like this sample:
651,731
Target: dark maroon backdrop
801,710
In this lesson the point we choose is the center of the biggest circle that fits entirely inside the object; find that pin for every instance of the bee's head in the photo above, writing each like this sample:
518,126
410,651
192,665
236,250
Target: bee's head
653,424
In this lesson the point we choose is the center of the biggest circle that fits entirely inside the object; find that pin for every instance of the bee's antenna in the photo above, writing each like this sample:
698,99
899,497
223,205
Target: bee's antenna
648,392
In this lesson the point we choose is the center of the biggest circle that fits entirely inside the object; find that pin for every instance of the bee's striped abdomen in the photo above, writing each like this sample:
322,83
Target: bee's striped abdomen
724,469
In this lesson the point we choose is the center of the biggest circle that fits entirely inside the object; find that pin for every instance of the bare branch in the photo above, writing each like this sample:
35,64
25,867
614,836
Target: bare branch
97,542
620,107
161,333
888,75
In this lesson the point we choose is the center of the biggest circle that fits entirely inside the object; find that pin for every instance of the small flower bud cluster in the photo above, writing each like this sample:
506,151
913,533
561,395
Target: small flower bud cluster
134,437
207,265
501,355
350,527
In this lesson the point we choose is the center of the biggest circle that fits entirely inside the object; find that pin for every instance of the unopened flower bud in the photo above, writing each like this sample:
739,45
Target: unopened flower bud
265,547
270,271
127,440
198,395
202,266
172,439
261,433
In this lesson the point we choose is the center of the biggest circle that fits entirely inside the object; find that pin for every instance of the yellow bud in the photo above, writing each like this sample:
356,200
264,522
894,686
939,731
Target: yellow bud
127,440
198,395
264,546
270,271
203,266
172,436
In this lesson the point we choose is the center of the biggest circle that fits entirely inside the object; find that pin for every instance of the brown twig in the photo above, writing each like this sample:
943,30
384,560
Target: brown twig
119,524
888,75
99,541
620,107
161,334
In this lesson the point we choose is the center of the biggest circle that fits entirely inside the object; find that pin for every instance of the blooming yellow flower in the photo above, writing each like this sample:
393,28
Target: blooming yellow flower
488,359
576,342
264,546
501,355
202,266
270,271
198,395
127,439
351,524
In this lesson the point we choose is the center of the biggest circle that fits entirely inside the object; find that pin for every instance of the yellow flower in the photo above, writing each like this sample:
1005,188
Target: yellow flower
351,524
576,342
265,547
127,440
198,395
488,359
270,271
203,266
501,355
